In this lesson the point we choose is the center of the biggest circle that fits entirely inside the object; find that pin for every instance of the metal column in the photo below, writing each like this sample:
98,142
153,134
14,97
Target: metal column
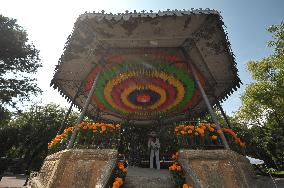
206,100
65,118
82,115
63,123
224,114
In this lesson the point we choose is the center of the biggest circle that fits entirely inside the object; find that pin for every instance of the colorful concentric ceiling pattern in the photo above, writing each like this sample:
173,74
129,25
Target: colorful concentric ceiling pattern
143,86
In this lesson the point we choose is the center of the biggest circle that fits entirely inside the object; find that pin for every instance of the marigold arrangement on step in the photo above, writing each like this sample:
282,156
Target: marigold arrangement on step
201,129
120,173
177,173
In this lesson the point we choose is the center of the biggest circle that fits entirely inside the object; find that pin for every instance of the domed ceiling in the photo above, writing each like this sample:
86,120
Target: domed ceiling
144,85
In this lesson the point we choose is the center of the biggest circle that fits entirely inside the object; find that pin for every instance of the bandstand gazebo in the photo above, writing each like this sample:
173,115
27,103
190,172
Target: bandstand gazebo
146,67
167,66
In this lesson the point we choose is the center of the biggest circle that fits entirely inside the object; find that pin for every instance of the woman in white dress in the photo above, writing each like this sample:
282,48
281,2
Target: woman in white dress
154,146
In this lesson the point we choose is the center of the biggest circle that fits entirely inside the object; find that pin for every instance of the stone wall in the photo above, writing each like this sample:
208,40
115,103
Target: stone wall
76,168
216,169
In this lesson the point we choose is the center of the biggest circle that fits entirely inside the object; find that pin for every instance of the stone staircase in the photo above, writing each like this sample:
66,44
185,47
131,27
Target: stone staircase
148,178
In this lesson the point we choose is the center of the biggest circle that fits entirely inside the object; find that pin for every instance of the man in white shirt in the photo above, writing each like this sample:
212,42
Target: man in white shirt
154,146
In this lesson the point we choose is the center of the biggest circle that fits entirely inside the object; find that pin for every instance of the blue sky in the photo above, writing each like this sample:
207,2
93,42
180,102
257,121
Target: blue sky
48,24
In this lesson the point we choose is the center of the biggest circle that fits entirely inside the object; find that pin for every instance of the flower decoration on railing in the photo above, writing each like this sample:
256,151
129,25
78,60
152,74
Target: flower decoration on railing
177,173
210,130
88,133
144,86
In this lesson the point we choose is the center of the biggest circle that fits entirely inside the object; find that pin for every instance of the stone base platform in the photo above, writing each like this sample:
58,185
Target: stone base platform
74,168
216,169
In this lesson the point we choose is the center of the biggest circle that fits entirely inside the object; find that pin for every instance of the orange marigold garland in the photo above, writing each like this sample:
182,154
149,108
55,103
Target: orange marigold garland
190,130
95,128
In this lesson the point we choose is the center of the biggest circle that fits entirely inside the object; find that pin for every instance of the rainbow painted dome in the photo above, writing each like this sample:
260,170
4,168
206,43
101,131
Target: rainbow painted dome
143,85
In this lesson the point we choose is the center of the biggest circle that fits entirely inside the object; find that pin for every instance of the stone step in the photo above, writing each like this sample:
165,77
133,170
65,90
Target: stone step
148,178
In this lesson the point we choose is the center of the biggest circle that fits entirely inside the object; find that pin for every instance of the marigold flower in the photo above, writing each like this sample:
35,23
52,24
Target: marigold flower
219,131
103,128
119,180
185,185
117,126
124,170
200,131
214,137
238,140
213,125
242,144
115,184
178,168
173,167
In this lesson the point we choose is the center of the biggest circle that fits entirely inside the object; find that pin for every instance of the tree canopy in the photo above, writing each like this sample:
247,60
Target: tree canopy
18,59
26,136
263,101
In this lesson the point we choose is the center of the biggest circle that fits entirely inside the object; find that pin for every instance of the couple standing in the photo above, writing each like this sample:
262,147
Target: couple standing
154,146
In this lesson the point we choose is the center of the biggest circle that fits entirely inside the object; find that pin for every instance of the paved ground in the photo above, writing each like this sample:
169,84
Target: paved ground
15,181
266,182
12,181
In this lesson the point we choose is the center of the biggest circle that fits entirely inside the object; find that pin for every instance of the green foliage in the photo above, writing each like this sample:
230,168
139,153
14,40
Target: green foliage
133,142
18,59
26,136
264,99
262,107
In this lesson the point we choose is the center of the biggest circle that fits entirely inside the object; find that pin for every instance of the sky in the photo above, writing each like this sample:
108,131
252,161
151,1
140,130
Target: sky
48,24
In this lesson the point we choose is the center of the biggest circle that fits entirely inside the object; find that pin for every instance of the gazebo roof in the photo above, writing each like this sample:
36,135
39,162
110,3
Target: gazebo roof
142,62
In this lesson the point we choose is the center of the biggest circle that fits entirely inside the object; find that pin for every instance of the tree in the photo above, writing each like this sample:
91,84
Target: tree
27,135
18,59
263,101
